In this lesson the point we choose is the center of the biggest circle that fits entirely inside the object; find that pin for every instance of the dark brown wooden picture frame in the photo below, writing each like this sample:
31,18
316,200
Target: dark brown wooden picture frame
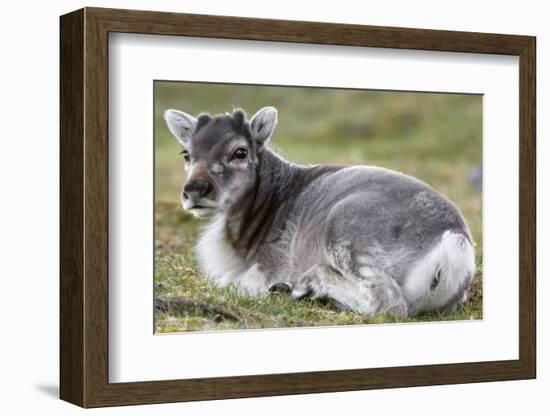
84,207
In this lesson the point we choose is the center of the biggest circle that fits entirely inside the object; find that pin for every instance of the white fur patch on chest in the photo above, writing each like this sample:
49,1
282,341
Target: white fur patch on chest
221,264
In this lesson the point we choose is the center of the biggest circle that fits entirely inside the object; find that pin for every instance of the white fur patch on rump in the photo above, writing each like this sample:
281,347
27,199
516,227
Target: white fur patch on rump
453,259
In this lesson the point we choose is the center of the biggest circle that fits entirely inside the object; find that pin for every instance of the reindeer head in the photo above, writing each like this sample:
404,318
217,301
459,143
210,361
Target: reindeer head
221,155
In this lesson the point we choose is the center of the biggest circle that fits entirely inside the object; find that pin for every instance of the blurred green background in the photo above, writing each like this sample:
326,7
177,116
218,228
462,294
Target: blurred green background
434,137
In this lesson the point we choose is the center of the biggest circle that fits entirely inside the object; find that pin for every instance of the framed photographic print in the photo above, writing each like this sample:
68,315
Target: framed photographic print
255,207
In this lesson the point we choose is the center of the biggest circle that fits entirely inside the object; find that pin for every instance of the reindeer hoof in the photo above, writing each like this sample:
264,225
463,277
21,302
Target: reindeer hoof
281,287
302,293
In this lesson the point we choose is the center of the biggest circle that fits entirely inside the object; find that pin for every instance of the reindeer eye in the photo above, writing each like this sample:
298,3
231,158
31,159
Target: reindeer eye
240,154
185,154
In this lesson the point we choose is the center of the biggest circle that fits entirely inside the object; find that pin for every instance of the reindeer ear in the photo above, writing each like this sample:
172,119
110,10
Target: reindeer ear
262,124
181,125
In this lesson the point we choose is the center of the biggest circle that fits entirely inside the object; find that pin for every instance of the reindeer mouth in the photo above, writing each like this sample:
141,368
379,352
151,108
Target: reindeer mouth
202,207
202,211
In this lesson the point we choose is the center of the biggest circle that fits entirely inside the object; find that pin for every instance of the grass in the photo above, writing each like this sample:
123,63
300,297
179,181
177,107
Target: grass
435,137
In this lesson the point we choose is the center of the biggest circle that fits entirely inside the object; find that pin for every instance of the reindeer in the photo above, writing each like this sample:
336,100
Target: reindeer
367,239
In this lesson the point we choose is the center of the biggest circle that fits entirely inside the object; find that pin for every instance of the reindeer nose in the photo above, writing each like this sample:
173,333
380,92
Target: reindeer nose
197,189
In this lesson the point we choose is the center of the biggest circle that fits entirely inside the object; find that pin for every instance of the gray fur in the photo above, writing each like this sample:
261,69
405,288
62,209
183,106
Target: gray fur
353,235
